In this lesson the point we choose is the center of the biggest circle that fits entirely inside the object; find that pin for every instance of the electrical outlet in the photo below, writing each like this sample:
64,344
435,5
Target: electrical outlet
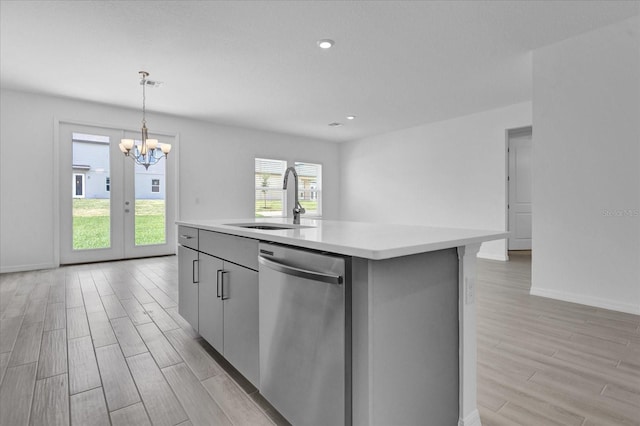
469,291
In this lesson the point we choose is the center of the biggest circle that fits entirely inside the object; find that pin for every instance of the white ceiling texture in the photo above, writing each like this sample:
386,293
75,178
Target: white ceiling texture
256,64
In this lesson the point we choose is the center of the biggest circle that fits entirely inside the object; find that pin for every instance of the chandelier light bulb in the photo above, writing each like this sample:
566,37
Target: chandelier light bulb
152,143
127,143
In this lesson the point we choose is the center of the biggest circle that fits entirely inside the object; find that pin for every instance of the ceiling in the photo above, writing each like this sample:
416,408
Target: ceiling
395,64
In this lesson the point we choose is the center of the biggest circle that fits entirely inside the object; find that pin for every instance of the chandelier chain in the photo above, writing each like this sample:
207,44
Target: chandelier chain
144,97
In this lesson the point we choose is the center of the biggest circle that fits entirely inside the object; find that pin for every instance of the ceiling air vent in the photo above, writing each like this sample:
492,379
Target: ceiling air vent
335,124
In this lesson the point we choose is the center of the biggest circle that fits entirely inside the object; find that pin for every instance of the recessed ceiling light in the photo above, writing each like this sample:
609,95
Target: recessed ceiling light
325,43
335,124
351,117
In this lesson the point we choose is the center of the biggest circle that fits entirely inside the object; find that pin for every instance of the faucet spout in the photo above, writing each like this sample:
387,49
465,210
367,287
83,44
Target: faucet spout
298,209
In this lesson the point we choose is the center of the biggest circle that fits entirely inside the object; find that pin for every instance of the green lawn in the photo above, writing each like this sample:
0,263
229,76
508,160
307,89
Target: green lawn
150,229
269,206
90,232
309,205
91,223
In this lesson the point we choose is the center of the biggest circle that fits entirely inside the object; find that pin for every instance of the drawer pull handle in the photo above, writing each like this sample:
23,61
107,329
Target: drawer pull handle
186,237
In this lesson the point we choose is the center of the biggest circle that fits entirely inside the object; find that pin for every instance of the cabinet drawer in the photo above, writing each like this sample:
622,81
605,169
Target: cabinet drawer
188,237
243,251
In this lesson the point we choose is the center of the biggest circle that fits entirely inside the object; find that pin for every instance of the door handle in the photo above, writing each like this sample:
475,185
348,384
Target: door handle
194,271
218,281
222,273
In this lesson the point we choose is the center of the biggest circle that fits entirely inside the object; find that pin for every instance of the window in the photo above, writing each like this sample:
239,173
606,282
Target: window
269,198
107,184
155,185
310,187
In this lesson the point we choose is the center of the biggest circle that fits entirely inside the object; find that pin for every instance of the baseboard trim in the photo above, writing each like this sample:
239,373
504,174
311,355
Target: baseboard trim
586,300
24,268
491,256
472,419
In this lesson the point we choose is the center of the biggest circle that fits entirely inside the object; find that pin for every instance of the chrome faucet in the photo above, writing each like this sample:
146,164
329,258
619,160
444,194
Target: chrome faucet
298,209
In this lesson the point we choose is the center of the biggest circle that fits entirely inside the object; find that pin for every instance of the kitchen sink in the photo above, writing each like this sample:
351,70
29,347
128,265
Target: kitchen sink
268,226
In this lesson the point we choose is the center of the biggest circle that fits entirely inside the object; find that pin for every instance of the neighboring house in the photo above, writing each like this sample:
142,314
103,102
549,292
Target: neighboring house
150,183
91,177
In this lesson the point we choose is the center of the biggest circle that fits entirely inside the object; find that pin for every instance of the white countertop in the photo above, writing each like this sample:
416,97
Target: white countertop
367,240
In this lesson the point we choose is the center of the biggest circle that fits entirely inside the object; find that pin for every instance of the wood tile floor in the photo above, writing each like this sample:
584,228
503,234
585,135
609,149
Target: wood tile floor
103,344
547,362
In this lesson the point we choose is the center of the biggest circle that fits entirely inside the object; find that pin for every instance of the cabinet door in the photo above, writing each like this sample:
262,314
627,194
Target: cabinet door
241,344
210,303
188,285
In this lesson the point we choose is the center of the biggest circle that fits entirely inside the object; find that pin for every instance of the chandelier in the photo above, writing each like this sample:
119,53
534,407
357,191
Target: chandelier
149,151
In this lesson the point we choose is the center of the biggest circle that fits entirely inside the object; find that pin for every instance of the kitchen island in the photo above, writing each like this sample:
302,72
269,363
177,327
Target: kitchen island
412,342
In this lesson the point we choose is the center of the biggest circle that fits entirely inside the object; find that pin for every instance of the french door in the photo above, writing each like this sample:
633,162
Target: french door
111,208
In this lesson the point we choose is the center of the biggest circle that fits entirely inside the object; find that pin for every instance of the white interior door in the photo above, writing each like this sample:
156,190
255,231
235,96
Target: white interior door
101,215
520,186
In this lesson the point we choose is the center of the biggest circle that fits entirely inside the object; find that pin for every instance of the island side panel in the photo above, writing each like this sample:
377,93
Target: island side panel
413,339
468,415
360,341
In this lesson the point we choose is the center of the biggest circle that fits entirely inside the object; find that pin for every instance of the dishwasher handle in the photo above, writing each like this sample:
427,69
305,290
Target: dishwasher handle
299,272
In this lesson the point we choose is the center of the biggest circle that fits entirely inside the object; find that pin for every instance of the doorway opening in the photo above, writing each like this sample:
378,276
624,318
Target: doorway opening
115,209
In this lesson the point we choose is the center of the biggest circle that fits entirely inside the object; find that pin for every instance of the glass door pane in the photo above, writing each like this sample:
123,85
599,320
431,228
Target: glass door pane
91,192
149,220
150,204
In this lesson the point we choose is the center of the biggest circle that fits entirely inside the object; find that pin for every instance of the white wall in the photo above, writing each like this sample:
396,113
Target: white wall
450,173
586,156
216,167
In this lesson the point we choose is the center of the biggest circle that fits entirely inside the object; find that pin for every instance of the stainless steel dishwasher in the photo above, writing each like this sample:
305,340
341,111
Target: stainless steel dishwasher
305,334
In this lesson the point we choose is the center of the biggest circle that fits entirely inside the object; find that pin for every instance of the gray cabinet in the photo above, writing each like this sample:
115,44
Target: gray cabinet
188,285
241,338
210,302
188,237
226,296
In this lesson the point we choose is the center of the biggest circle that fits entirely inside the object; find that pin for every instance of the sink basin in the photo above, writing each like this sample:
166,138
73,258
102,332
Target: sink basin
268,226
